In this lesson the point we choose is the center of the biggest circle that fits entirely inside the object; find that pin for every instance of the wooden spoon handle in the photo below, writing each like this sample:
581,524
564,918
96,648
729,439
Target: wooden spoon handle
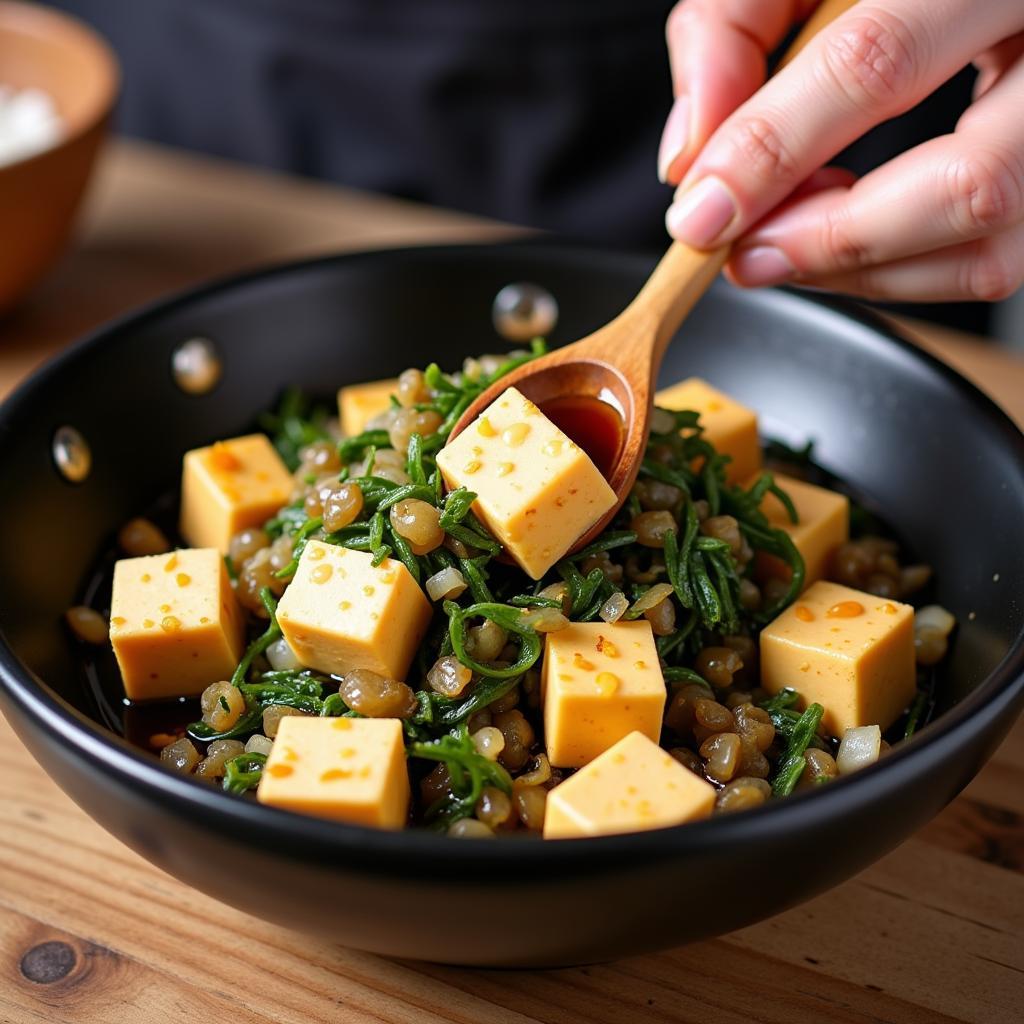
684,274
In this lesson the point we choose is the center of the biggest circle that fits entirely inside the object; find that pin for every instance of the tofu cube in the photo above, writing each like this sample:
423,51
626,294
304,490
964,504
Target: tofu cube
851,652
729,426
538,491
174,623
347,769
824,524
600,681
229,486
340,612
359,403
632,786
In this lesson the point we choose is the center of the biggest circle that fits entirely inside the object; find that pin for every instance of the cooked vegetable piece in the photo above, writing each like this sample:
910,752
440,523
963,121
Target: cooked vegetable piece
632,786
601,681
537,491
348,769
726,424
341,612
860,747
848,650
229,486
174,623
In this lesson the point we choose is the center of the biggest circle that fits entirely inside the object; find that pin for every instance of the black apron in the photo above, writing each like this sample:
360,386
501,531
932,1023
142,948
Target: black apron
546,113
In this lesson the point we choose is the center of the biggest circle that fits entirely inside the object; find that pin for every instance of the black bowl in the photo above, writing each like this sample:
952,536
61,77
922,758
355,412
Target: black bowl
945,465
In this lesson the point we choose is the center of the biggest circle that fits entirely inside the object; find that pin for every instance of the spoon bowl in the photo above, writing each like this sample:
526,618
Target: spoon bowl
616,366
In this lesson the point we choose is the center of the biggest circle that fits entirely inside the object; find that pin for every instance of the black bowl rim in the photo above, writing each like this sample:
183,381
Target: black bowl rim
420,852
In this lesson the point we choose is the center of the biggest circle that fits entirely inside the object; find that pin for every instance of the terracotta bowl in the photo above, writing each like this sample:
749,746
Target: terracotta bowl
40,48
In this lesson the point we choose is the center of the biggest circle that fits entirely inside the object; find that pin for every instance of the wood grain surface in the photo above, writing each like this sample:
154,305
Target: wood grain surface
90,932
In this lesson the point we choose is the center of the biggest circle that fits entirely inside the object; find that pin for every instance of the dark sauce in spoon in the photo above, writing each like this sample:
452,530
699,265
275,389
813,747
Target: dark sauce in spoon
596,426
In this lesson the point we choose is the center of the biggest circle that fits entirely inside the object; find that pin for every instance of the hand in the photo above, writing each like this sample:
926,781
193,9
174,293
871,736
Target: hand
944,220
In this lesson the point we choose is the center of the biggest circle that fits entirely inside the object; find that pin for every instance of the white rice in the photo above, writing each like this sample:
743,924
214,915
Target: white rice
29,123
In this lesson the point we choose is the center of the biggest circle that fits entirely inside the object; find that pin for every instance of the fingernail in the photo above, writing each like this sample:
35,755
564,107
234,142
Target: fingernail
675,137
701,214
760,265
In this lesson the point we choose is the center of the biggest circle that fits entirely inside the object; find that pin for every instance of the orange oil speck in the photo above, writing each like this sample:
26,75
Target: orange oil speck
803,613
222,458
279,771
845,610
332,774
171,564
484,428
607,683
471,467
516,434
504,468
148,623
342,724
368,590
183,579
580,662
321,573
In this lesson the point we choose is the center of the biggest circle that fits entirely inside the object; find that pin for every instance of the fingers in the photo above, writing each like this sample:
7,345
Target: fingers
717,50
995,62
953,189
874,62
987,270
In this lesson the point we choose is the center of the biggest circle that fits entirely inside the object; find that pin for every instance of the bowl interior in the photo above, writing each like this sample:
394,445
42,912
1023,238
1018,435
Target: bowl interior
907,434
44,49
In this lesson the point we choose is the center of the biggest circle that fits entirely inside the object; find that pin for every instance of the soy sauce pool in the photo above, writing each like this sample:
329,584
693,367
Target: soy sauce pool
595,425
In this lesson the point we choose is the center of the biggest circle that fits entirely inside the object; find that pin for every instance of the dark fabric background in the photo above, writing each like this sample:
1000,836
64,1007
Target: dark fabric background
541,112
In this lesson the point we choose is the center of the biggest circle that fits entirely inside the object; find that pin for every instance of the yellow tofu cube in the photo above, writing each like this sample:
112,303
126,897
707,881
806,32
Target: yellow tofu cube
229,486
174,623
538,491
851,652
340,612
824,524
632,786
347,769
359,403
600,681
729,426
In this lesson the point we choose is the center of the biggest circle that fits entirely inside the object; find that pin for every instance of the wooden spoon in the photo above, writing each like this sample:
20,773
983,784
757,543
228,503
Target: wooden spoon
618,364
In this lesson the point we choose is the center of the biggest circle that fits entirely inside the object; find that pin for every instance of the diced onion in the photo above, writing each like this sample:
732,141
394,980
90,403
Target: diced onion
558,592
662,421
544,620
935,617
860,747
614,608
448,583
258,744
652,597
282,657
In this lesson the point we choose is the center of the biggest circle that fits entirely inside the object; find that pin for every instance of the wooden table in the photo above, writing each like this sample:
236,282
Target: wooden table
932,933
